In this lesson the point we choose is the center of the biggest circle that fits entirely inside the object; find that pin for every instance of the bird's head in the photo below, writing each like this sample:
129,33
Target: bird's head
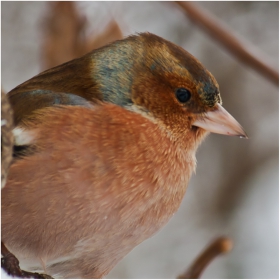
163,81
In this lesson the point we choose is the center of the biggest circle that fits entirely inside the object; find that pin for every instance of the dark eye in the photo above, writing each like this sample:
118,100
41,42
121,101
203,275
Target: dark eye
183,95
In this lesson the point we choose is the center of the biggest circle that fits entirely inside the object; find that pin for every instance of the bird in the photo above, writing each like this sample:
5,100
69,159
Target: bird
106,148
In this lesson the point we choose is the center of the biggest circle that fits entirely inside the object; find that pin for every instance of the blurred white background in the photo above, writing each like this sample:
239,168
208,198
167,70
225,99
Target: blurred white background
235,189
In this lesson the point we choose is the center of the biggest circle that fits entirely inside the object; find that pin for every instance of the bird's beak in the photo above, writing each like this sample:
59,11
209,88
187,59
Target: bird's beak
220,121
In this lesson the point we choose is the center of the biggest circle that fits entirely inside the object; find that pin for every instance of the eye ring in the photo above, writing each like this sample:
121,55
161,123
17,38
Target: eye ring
183,95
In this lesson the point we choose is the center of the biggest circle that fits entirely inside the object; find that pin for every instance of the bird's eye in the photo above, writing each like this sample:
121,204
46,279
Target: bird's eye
183,95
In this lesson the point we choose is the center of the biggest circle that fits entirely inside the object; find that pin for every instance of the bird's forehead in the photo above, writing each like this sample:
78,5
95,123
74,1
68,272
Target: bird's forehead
187,66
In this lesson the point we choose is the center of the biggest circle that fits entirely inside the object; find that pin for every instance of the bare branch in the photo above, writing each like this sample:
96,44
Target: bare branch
64,37
10,264
219,246
240,48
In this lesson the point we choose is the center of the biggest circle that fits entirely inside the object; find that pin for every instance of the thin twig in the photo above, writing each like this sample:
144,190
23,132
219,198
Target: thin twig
10,264
240,48
7,138
219,246
64,34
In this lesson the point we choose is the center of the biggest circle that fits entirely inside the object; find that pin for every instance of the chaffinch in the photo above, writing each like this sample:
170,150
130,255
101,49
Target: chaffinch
106,147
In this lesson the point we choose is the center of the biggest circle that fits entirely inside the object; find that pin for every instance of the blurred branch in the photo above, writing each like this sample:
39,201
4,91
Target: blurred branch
219,246
239,48
10,264
64,36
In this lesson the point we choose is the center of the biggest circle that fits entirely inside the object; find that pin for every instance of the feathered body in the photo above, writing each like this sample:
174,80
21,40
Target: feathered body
98,206
110,148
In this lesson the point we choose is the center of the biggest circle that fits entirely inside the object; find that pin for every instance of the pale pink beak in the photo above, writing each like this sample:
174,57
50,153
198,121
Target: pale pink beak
221,122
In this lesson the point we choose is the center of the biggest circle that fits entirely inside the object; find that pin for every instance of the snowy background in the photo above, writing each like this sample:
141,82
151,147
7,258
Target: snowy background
235,189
